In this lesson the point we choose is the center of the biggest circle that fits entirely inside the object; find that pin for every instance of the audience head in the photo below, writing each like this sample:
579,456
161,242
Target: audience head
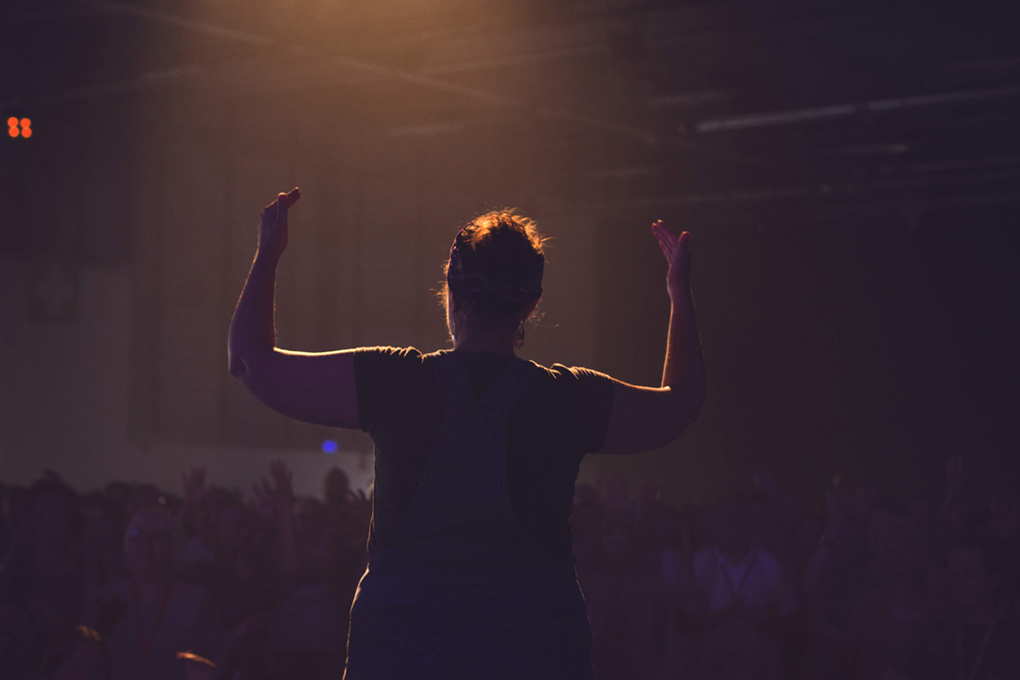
899,546
494,274
76,654
735,526
151,543
977,566
253,536
53,512
337,488
229,518
104,519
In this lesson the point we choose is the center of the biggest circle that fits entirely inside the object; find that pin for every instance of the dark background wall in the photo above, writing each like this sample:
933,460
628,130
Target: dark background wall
849,176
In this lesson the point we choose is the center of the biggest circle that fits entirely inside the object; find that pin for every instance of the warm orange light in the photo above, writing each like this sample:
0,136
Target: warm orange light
26,123
26,133
12,122
13,132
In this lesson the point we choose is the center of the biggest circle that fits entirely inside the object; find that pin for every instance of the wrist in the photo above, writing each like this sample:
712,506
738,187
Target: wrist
681,297
268,255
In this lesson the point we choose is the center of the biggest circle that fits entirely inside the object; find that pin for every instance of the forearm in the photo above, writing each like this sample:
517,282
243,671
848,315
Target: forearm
648,418
252,329
684,368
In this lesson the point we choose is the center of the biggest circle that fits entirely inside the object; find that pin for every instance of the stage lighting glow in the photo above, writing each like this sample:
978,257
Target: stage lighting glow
26,127
329,446
12,127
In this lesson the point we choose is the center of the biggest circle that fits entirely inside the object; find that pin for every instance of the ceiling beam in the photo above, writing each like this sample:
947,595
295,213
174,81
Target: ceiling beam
374,70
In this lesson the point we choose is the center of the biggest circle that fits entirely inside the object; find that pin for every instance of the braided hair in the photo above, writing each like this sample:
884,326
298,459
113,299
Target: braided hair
495,267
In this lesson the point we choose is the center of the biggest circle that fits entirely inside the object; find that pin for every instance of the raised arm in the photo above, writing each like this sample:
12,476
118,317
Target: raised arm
647,418
313,387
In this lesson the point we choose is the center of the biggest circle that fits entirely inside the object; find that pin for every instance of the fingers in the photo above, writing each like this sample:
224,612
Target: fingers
284,200
684,245
665,238
675,248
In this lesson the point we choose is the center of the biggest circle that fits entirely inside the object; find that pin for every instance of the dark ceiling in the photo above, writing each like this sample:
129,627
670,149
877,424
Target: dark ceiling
663,101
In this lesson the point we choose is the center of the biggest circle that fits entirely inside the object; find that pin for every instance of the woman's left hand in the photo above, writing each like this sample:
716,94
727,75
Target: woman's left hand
273,223
677,250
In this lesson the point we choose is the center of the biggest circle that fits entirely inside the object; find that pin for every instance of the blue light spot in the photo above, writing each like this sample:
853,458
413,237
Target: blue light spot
329,446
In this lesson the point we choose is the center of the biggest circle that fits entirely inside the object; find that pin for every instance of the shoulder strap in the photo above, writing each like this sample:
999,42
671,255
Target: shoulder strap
501,395
508,387
457,392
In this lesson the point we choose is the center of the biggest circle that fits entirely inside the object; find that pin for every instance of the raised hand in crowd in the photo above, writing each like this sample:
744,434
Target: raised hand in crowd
278,494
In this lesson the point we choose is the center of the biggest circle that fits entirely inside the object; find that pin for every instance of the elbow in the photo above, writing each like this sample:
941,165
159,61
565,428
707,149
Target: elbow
688,409
244,359
235,362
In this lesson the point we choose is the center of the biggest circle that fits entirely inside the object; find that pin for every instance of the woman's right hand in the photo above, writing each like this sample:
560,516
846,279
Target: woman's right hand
677,250
273,223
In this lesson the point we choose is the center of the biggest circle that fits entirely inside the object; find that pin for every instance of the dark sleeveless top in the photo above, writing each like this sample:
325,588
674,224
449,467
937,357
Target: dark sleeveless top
401,406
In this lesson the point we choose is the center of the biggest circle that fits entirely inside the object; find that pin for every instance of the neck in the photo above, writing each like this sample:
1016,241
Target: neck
471,340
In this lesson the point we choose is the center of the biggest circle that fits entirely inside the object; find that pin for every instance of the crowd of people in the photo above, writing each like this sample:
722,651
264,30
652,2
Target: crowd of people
135,582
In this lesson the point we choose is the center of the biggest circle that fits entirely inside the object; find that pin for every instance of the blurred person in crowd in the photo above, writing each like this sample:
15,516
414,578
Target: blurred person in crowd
981,641
735,575
149,618
44,569
348,516
621,511
105,562
741,596
672,588
306,636
615,608
337,492
77,653
777,516
477,453
845,562
19,641
884,621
